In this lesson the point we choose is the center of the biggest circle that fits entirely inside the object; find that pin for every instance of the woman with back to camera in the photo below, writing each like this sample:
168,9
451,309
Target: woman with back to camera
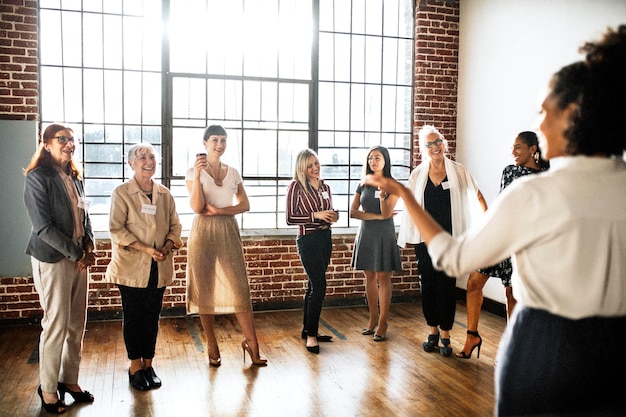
144,229
527,160
310,207
567,328
451,195
217,280
61,247
375,248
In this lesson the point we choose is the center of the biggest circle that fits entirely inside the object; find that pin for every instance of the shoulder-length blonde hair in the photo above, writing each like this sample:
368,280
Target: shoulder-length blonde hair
42,158
301,165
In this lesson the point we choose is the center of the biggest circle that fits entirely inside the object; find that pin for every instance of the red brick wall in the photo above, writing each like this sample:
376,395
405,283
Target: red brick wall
277,279
436,69
18,60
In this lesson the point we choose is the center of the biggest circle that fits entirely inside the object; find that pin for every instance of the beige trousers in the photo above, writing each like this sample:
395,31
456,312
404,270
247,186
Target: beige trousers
62,290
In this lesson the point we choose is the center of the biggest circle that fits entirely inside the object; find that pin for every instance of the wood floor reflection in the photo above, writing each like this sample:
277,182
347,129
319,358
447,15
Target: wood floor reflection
352,376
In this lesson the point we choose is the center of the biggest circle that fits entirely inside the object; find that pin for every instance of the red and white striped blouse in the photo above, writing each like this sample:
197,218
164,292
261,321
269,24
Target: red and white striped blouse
302,203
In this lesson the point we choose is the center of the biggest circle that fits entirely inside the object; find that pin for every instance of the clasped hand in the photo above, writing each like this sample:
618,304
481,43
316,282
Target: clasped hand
329,216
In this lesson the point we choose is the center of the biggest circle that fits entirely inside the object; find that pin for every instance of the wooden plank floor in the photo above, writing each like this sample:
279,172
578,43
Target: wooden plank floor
352,376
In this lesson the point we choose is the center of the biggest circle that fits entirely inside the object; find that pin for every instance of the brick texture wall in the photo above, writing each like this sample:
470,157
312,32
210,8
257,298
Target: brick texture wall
18,60
436,69
277,278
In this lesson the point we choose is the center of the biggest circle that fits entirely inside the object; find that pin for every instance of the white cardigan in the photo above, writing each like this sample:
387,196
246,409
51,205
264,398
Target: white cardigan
463,200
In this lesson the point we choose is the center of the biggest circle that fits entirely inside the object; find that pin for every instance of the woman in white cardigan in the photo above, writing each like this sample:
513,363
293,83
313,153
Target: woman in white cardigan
450,194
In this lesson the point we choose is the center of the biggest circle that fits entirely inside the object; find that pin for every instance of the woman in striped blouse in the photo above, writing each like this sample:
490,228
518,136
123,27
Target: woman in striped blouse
310,207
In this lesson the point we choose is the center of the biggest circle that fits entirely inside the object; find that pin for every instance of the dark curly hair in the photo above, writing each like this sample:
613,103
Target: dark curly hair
598,86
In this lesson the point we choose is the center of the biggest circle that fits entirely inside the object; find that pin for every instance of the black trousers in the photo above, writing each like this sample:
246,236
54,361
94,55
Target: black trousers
142,309
315,250
437,290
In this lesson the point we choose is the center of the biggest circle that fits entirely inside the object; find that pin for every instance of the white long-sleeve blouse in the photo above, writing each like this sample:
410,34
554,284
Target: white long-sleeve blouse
566,231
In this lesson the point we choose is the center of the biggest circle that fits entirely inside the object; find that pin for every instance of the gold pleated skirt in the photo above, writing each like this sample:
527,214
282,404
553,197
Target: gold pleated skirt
217,282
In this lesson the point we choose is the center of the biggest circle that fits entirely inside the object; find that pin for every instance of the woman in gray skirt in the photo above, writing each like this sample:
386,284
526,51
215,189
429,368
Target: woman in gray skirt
375,249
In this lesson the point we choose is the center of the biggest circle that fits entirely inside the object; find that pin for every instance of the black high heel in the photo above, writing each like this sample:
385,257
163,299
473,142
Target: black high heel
462,354
432,342
56,408
78,396
445,350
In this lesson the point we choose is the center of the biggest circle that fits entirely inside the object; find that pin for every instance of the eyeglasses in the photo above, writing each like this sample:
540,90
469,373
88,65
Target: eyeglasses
64,139
435,143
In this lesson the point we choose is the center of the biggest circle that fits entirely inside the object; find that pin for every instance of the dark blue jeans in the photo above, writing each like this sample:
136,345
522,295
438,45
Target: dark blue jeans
314,251
550,365
142,309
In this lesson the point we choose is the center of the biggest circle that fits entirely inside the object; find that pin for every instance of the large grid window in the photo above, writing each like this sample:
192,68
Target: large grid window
279,75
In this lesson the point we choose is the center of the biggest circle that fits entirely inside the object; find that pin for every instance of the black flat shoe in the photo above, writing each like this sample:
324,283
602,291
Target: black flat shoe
78,396
56,408
139,380
320,338
153,380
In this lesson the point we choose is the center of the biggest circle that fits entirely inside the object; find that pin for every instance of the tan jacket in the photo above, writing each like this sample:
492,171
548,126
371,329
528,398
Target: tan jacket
129,223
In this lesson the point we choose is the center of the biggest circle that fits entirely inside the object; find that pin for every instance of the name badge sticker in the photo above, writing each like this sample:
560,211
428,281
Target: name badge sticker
148,209
325,195
83,203
445,185
377,194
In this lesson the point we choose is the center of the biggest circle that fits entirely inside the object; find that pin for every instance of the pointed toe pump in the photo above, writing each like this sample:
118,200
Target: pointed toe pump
256,359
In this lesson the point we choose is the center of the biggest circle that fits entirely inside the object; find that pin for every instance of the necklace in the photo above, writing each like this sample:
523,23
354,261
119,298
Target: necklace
219,178
141,188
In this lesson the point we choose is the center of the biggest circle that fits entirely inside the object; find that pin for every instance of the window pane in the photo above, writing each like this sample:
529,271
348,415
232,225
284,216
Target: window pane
132,97
260,154
112,41
187,142
133,28
373,17
151,109
373,56
189,98
94,101
289,144
294,103
92,33
50,38
72,95
294,28
113,96
51,106
71,29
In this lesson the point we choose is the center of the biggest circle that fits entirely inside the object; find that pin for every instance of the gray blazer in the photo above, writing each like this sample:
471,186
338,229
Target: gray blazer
52,217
